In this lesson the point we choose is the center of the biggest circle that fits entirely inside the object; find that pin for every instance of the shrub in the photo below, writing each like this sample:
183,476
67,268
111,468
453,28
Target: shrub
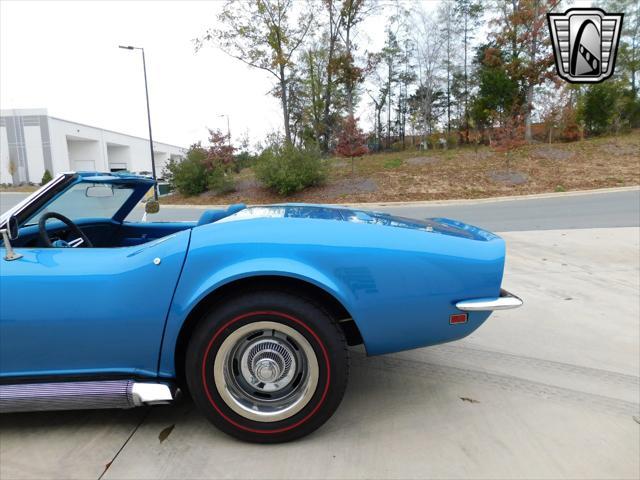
396,146
204,168
600,107
220,181
286,169
244,159
452,139
189,176
46,177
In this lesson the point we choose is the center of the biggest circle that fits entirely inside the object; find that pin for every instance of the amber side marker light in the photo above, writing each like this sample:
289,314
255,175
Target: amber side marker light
458,318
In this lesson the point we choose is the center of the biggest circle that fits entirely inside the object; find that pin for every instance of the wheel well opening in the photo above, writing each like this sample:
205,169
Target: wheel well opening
251,284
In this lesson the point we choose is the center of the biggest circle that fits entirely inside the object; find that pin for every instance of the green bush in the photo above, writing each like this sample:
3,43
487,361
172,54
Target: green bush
243,160
609,107
286,169
598,107
453,139
189,176
219,181
46,177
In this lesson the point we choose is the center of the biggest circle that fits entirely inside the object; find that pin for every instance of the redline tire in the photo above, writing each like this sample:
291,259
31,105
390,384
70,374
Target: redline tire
267,367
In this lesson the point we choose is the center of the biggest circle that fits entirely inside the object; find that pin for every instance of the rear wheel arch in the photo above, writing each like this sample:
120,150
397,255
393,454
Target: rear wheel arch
236,288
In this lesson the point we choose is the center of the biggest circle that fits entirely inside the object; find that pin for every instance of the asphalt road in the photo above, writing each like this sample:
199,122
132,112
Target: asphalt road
589,210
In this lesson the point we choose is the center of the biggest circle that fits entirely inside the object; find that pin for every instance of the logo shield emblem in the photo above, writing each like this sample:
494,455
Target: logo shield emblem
585,43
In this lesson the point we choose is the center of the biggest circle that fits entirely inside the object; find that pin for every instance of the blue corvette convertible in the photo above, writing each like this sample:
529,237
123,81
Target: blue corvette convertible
250,309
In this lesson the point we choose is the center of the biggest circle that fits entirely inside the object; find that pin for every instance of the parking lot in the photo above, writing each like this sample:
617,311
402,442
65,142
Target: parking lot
550,390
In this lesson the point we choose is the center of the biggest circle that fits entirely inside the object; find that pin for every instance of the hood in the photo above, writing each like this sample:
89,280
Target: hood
443,226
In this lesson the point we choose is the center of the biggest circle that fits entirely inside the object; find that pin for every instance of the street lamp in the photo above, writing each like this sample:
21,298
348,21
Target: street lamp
228,129
146,90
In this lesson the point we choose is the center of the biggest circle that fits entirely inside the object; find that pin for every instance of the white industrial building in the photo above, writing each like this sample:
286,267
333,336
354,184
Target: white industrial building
31,142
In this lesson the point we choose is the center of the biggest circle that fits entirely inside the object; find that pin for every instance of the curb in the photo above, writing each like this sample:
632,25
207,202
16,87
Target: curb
426,203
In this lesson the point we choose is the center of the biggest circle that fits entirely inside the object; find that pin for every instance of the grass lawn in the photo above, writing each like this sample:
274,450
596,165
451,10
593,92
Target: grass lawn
458,173
20,188
452,174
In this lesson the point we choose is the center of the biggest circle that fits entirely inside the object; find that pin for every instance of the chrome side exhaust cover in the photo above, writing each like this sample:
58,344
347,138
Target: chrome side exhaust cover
90,395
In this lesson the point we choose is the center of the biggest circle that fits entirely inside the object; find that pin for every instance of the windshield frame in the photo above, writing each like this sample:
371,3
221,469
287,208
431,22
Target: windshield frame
56,187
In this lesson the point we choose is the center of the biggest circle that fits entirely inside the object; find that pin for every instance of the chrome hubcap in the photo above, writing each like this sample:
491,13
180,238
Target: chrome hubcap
266,371
268,364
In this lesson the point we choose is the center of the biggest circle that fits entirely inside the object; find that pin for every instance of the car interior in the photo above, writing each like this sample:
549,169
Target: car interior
50,228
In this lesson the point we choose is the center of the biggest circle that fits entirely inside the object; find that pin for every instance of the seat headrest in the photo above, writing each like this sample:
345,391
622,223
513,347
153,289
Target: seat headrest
210,216
235,208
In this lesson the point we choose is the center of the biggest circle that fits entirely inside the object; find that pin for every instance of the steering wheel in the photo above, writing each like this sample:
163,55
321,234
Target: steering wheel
44,235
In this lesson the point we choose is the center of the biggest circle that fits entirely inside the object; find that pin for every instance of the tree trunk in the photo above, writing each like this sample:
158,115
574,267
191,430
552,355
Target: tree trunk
529,95
389,106
349,83
329,87
527,113
466,83
285,104
379,116
449,74
317,114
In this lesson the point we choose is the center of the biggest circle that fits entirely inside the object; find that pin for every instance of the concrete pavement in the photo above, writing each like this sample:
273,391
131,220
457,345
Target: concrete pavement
583,210
546,391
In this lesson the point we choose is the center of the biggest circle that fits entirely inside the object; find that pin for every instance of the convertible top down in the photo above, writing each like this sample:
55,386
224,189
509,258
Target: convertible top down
250,310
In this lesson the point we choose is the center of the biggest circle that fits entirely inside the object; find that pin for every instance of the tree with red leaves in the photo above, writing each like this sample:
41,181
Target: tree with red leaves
220,152
508,137
220,162
351,140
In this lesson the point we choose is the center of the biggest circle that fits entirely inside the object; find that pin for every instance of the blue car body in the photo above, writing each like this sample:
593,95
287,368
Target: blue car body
120,308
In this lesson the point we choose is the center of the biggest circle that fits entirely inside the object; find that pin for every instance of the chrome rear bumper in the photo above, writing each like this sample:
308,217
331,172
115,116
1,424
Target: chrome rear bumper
505,301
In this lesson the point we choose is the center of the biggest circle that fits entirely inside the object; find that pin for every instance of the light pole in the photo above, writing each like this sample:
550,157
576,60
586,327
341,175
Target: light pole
228,129
146,91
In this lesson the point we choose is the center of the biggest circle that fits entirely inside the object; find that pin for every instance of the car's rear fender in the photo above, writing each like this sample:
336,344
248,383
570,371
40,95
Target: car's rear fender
192,292
400,289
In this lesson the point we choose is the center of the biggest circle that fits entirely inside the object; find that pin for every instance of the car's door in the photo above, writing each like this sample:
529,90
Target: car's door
87,311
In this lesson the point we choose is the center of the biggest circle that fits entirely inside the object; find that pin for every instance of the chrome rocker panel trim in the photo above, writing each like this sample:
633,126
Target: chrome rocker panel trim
505,301
83,395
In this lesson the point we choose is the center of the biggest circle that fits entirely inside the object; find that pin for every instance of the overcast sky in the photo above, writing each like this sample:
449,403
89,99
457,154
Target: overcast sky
64,56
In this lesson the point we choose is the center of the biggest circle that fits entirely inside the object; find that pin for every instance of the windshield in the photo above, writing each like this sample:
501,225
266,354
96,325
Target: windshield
86,200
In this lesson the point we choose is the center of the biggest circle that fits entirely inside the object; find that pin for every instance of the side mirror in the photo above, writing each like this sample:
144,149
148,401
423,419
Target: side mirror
10,233
152,206
13,229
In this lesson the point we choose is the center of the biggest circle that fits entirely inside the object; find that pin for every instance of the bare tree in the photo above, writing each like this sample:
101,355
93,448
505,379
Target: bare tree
334,27
261,34
448,31
428,52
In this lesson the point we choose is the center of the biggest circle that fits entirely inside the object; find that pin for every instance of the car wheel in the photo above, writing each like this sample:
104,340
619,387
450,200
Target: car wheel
267,367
